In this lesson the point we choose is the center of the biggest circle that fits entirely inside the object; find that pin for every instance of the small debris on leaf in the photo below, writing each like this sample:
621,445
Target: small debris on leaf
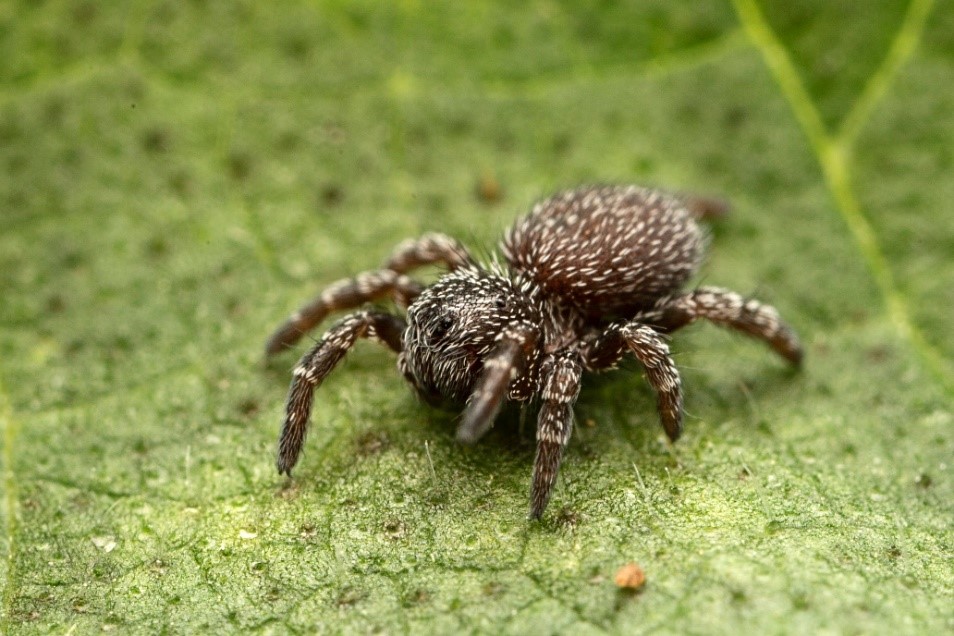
489,189
630,577
106,544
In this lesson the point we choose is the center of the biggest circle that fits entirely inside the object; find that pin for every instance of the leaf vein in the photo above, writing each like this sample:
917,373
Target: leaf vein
832,154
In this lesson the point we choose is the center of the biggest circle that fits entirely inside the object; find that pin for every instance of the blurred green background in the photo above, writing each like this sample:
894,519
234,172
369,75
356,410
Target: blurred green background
178,176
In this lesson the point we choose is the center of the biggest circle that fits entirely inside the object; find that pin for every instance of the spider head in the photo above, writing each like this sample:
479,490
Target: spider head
453,325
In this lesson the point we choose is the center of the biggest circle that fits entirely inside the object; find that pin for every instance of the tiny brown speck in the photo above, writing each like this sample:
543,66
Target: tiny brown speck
630,577
488,189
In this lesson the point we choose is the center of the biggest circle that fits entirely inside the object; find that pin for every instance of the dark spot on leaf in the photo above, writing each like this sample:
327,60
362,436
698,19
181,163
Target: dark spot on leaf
417,597
561,143
586,450
287,141
288,490
773,527
234,307
9,131
734,117
74,346
348,597
878,354
923,481
394,528
331,194
737,595
239,165
800,601
567,518
155,141
84,13
248,407
418,135
459,126
157,247
372,443
54,110
55,304
493,589
297,46
121,343
643,165
334,134
894,552
73,259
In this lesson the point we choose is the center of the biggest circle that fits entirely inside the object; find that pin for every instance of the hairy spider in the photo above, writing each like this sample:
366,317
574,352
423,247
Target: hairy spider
590,275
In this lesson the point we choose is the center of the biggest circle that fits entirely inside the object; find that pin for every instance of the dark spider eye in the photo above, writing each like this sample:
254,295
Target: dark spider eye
440,328
501,302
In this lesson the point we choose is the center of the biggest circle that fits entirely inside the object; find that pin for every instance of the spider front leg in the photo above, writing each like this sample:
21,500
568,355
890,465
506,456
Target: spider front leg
606,350
560,379
728,309
349,293
318,363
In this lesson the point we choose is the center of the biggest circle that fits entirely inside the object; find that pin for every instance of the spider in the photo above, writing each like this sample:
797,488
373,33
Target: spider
590,275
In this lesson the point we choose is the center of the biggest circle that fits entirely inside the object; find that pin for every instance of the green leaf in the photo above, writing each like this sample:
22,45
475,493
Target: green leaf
176,177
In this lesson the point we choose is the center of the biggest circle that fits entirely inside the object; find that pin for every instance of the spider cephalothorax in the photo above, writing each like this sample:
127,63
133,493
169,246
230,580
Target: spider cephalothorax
590,275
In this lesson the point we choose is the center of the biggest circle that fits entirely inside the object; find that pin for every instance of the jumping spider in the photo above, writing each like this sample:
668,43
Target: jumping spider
590,275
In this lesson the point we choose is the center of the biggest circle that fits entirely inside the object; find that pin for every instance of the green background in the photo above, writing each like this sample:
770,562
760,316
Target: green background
178,176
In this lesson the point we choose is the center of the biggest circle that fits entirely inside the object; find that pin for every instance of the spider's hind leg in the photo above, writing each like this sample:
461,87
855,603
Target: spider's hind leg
728,309
318,363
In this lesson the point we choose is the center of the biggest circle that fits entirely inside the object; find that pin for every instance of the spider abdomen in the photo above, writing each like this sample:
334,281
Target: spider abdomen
606,250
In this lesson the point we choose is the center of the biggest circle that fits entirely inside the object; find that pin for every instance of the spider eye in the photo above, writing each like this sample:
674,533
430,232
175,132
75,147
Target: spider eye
441,327
500,302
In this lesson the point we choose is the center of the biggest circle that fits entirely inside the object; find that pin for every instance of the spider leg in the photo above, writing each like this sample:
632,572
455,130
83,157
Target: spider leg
728,309
506,361
561,386
318,363
349,293
427,250
706,208
606,350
